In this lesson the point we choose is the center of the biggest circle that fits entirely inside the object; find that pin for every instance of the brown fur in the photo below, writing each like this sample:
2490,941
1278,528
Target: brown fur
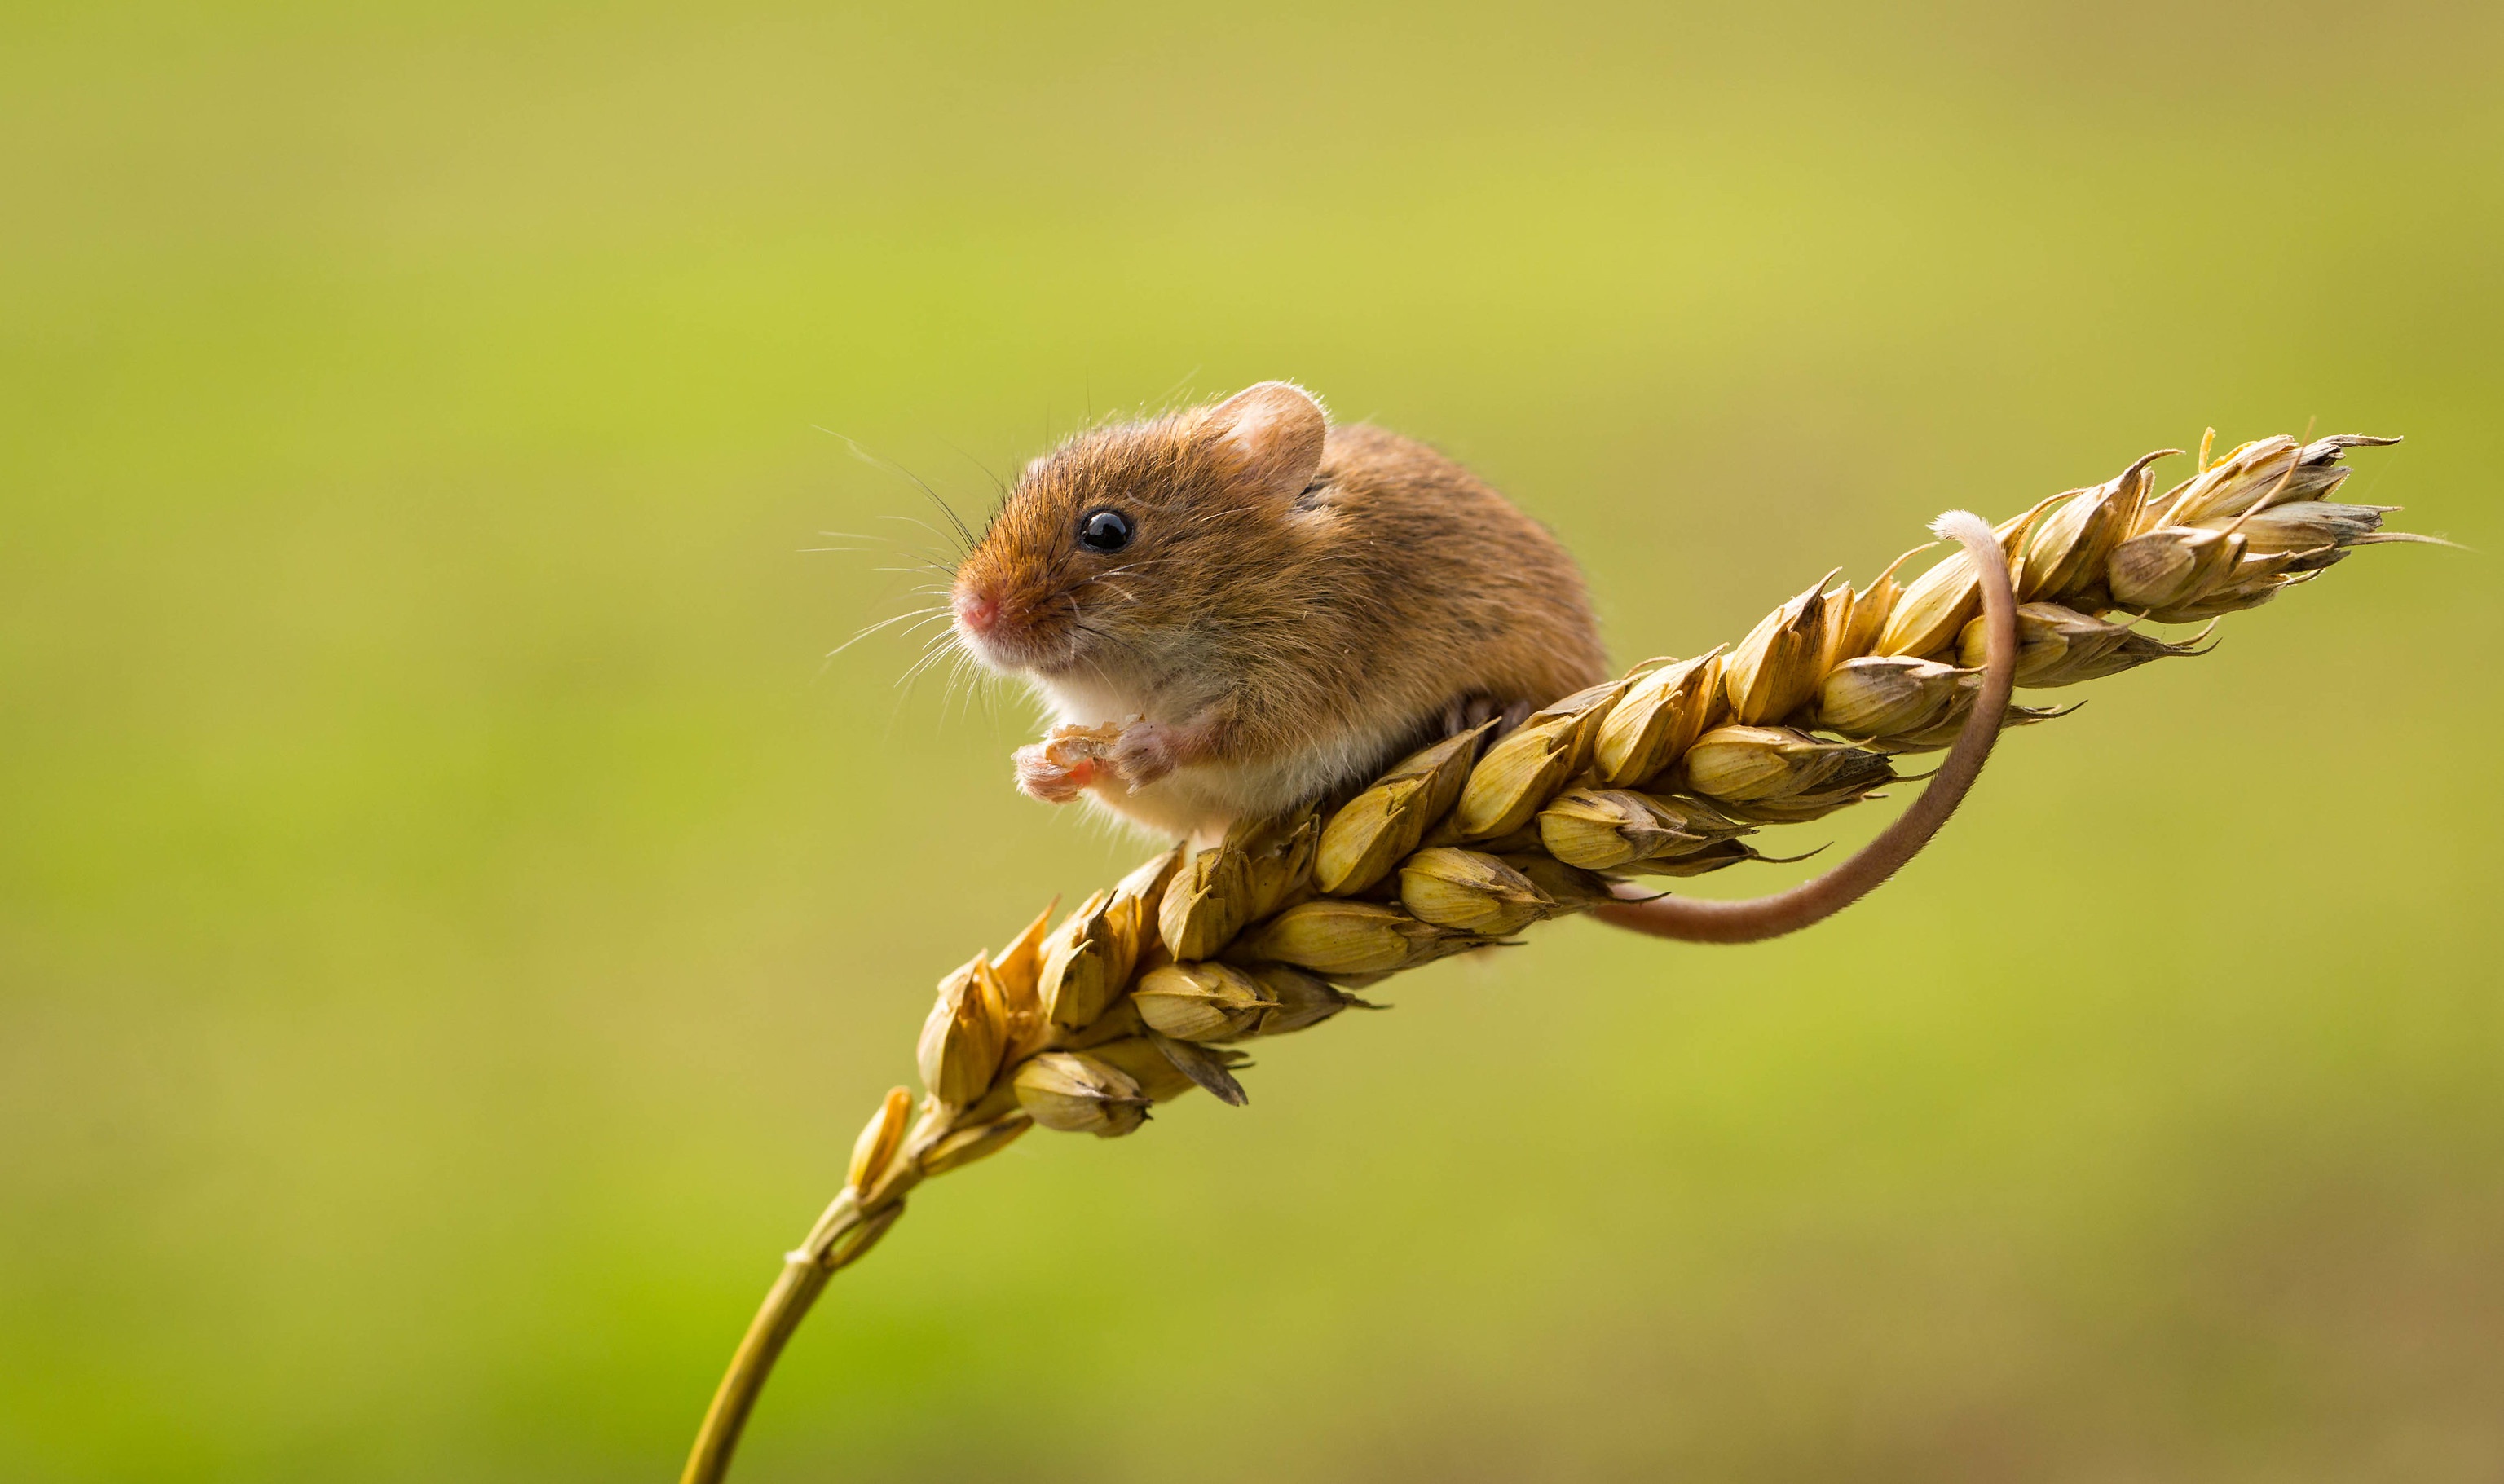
1281,628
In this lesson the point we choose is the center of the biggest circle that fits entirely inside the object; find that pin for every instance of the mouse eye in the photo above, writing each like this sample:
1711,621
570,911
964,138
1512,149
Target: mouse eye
1104,531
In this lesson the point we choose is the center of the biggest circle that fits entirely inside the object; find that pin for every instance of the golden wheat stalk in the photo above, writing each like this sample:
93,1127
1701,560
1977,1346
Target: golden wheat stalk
1139,994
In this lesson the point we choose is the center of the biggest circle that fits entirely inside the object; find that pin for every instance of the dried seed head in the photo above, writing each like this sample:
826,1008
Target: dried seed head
1751,765
2331,448
1934,609
1525,838
1149,1068
1854,621
1130,916
1202,1001
1084,964
1080,1092
1147,885
1520,773
1210,1068
1280,861
1928,618
1018,970
1800,809
1874,607
1372,831
1662,713
2172,567
1747,761
880,1138
1716,856
1589,707
1774,668
1882,697
2264,471
1207,901
2250,583
979,1141
1000,1099
1018,967
1367,835
1695,819
2061,646
1471,891
1600,829
2064,547
2232,537
1300,1000
2302,526
1571,889
1336,938
1944,732
964,1036
1506,789
1778,775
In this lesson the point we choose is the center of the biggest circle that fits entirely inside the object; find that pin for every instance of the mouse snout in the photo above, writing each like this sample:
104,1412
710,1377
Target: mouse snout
978,608
1002,624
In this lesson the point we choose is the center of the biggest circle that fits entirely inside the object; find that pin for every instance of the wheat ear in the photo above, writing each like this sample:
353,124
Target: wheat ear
1139,994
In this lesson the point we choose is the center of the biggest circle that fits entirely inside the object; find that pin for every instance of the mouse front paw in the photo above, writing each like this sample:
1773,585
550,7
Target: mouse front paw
1064,765
1039,775
1143,753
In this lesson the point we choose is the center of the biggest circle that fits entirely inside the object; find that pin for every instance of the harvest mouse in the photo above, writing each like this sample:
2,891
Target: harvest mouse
1248,607
1265,605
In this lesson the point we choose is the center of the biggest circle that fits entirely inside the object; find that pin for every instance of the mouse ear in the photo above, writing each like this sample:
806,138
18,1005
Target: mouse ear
1274,431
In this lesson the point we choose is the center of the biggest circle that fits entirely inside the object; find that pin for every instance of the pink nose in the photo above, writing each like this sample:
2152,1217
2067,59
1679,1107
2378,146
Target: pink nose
978,611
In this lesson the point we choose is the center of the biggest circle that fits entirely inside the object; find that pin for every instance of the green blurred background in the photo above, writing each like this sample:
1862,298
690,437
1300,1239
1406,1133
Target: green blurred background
453,917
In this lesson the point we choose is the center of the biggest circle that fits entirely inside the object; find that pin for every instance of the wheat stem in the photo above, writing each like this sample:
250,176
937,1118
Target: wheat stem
786,1305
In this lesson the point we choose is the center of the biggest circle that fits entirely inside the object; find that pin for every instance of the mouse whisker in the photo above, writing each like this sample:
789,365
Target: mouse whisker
956,678
966,543
881,538
963,535
975,677
1078,621
988,473
886,623
930,656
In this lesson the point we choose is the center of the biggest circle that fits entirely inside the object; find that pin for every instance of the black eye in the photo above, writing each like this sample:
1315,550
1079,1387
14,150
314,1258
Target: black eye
1104,531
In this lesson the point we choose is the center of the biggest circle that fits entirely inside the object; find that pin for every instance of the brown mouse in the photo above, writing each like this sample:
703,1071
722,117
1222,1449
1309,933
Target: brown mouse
1247,608
1265,605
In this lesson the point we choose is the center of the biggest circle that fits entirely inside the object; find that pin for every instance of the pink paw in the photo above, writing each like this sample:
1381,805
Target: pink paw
1074,759
1053,772
1144,753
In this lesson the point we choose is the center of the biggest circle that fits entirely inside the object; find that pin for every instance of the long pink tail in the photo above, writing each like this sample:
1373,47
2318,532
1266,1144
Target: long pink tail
1815,900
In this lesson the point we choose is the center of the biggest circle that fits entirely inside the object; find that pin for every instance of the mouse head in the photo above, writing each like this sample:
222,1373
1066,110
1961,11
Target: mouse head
1114,549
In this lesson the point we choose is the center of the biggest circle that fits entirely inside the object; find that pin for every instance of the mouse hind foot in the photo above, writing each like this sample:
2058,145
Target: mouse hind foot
1468,712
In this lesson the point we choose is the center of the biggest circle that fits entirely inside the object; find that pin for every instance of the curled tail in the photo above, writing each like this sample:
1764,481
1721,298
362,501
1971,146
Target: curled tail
1813,901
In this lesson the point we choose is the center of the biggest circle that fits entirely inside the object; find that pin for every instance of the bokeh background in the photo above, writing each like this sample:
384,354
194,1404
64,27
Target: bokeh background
453,915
